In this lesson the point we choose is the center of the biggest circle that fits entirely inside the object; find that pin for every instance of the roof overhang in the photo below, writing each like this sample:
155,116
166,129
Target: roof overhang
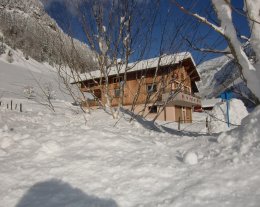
184,58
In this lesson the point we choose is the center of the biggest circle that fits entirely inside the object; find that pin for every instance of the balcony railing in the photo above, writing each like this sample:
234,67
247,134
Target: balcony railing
182,98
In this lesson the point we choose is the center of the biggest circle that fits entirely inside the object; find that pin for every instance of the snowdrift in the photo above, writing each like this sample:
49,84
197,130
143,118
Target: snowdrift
237,112
246,138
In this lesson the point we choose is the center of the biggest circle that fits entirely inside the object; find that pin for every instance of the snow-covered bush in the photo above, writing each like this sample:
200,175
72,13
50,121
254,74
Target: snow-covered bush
237,111
2,46
29,92
49,92
10,57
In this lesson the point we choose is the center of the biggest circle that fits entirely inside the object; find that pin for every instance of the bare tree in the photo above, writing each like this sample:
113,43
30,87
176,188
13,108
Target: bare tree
114,30
225,27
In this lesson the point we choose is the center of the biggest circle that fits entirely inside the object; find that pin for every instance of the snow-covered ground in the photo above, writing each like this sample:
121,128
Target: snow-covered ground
70,159
67,159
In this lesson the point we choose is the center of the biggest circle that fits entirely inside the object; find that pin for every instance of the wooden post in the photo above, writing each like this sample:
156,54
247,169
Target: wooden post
21,107
0,103
11,104
207,125
179,124
7,106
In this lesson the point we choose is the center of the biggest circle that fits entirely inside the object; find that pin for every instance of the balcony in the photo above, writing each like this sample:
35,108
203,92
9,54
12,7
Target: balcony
181,98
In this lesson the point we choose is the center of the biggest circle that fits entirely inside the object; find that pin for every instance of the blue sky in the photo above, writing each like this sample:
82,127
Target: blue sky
201,36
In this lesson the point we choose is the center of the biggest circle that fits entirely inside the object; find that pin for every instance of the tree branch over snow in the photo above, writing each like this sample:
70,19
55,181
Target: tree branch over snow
206,50
199,18
227,29
247,15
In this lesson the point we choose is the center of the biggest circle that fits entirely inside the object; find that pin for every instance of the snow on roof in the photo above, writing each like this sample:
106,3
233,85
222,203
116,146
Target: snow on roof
139,65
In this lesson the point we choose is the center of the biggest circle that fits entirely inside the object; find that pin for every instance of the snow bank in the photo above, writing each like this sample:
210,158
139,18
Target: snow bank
237,112
245,138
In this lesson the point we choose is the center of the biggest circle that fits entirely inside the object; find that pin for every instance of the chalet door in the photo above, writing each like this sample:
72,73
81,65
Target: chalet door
188,115
183,114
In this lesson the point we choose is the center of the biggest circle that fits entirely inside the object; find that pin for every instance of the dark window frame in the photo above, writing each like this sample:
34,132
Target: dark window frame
117,92
151,88
153,109
117,79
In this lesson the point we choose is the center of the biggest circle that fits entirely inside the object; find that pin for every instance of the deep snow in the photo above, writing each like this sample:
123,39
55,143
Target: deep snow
64,159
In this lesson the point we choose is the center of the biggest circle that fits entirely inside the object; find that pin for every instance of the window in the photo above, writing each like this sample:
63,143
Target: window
117,79
91,84
187,89
151,88
97,93
152,109
117,92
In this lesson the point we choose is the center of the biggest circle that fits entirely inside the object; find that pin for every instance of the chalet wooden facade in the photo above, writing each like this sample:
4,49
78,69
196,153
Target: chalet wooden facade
174,84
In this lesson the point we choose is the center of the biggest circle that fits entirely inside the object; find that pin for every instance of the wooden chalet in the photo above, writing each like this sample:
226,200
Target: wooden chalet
175,84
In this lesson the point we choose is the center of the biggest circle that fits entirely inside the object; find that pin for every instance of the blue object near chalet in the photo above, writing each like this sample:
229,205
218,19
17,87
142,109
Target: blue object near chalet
226,96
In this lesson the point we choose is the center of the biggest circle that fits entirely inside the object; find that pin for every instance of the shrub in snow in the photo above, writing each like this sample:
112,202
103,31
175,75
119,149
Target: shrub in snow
237,111
29,92
10,58
2,46
190,158
49,92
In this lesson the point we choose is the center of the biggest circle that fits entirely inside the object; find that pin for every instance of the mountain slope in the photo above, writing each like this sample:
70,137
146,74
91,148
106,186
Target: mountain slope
20,76
26,26
221,74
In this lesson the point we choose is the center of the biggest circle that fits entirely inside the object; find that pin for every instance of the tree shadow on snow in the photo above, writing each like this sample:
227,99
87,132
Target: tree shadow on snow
145,123
55,193
187,133
160,128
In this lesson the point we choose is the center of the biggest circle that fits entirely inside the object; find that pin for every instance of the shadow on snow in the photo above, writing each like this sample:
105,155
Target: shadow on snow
55,193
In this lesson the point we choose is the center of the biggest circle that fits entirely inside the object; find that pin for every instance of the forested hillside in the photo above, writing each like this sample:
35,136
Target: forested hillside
26,26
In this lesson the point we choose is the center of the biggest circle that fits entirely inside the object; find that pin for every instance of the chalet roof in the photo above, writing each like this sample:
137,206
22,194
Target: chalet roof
166,60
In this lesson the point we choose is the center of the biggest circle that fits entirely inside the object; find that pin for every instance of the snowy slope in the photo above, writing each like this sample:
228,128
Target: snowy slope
26,26
17,76
220,74
211,75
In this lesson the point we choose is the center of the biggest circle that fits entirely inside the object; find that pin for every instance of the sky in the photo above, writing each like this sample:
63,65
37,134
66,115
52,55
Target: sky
201,36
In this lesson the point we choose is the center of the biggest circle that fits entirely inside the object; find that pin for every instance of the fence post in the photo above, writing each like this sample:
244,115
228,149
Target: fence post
210,120
0,103
21,107
179,124
207,125
11,104
7,106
